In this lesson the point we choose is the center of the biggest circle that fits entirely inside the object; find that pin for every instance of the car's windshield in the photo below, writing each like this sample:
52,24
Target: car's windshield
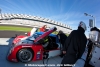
36,35
33,37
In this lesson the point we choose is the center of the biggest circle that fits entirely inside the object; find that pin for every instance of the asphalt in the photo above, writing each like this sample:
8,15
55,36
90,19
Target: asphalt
8,34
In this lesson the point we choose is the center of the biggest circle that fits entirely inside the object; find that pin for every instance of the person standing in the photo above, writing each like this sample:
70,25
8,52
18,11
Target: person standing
62,37
74,45
43,29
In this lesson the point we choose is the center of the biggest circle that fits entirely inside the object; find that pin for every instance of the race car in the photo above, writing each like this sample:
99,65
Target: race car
39,46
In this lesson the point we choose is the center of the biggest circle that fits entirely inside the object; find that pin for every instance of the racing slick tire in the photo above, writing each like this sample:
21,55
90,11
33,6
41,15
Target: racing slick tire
25,55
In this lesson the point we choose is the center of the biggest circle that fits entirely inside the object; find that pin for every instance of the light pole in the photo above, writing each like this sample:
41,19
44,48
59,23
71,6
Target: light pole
0,16
92,17
0,13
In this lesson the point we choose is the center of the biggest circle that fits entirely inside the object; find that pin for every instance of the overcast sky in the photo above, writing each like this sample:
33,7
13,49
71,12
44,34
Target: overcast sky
69,12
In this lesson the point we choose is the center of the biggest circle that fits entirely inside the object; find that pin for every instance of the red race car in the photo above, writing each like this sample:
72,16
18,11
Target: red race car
38,46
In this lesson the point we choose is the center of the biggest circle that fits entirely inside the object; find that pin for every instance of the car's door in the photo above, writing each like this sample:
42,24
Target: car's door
45,34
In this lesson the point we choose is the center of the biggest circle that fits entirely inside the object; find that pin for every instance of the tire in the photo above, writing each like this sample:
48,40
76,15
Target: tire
25,55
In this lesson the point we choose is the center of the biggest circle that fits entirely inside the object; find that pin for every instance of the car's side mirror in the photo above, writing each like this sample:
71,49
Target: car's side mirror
91,24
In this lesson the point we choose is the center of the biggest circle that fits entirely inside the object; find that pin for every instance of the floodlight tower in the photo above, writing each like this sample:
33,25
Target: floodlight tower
92,17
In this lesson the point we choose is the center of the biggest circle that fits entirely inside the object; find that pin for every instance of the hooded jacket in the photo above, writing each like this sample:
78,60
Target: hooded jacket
63,37
75,43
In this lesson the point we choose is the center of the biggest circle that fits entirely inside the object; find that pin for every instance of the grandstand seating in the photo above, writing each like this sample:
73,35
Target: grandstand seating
33,21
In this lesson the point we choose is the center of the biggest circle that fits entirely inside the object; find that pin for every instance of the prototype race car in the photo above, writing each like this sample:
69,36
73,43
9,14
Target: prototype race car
38,46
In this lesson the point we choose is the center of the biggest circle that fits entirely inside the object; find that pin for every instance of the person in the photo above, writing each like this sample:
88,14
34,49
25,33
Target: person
43,29
74,45
90,48
62,37
33,31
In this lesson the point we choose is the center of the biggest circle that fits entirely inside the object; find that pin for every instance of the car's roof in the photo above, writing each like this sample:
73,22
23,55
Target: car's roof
53,35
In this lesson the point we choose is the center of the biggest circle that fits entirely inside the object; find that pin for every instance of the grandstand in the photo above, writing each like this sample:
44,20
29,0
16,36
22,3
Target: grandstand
33,21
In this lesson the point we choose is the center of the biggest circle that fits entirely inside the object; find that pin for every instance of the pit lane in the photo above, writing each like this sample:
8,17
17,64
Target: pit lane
6,38
4,48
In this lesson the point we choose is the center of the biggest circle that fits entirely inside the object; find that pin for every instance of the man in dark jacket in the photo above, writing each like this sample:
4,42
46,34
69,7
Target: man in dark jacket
75,45
62,38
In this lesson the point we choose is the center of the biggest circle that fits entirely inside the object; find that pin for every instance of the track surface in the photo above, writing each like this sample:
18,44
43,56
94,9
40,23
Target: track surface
8,34
5,44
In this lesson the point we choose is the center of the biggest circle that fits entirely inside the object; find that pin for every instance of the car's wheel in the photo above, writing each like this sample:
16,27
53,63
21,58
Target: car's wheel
24,55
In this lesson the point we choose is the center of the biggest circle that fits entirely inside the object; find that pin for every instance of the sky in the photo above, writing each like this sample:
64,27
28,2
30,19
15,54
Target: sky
69,12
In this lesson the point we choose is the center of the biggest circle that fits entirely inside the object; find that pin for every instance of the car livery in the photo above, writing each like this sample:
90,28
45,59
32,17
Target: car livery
38,46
